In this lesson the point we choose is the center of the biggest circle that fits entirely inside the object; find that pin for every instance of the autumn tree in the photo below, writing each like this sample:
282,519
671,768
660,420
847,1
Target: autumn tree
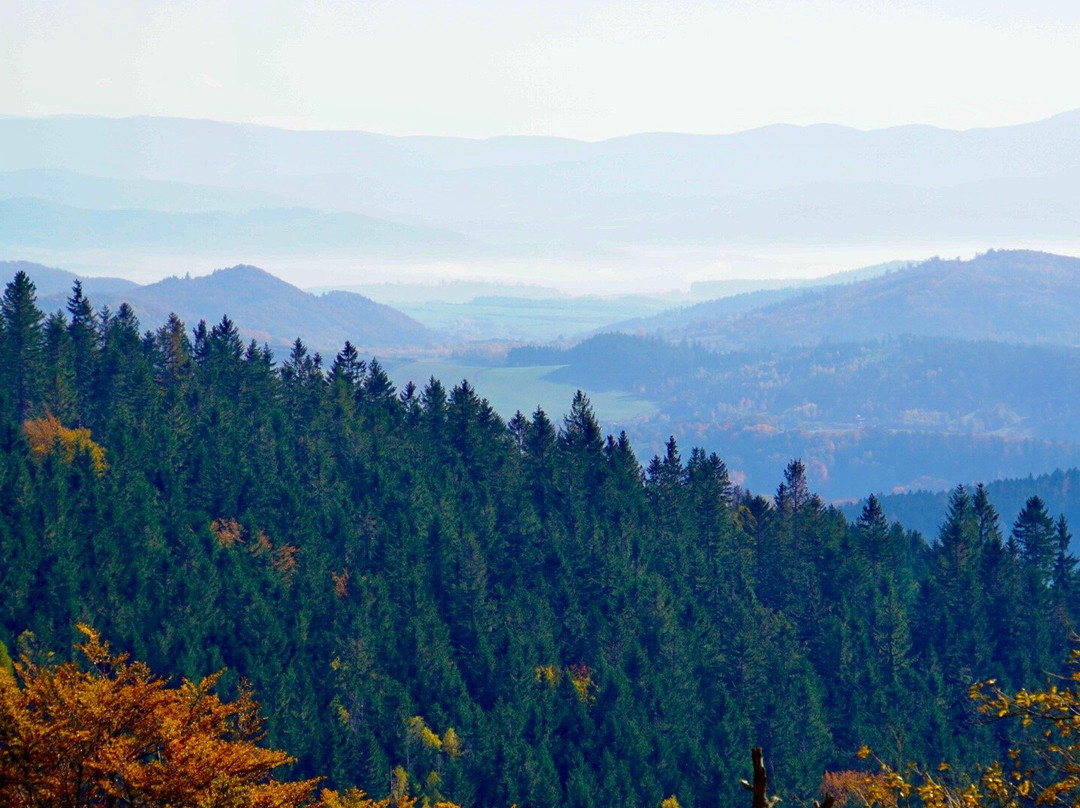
47,435
1039,764
117,735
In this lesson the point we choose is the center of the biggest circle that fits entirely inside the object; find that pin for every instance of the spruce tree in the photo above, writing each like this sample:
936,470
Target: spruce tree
22,346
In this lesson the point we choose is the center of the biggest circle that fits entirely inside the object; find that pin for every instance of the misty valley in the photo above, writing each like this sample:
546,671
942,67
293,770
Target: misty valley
470,477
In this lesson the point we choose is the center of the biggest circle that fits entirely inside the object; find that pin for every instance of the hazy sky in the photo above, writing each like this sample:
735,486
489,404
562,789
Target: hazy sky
583,69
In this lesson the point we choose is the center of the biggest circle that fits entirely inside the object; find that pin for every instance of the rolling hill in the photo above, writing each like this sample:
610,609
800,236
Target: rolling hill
1003,295
925,510
264,307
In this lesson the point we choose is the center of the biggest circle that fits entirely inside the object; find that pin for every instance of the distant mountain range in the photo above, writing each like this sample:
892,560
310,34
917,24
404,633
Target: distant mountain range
140,183
38,224
264,308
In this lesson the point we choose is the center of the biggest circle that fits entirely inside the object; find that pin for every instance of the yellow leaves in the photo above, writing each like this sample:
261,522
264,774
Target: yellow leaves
451,743
46,435
399,786
435,751
863,753
581,678
429,739
1006,783
670,802
548,674
343,715
1052,794
117,732
993,780
355,798
352,798
932,794
418,730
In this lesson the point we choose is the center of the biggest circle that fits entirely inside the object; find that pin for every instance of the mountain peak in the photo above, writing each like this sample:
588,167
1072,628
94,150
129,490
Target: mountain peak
245,271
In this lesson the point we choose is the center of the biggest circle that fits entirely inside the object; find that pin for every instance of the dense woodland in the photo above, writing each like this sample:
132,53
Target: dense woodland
923,510
512,612
909,411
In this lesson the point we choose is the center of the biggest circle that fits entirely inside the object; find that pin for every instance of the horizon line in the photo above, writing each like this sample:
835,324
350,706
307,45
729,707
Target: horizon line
280,126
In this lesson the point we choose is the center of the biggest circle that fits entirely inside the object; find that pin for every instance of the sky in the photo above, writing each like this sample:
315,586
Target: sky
583,69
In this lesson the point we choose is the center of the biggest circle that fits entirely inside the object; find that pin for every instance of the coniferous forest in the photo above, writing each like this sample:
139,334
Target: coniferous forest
511,612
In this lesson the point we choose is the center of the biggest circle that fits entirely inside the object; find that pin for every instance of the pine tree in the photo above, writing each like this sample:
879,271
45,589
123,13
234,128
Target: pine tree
59,388
872,530
86,351
1035,534
348,368
21,345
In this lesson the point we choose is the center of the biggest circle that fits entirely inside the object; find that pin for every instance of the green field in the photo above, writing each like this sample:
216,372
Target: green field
510,389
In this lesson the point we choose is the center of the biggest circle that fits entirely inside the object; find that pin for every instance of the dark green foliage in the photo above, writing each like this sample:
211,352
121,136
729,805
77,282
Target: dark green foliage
593,634
899,411
21,346
924,510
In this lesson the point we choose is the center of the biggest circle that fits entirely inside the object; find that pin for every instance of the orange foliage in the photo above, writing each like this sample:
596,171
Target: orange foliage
262,545
227,531
47,435
857,787
118,735
285,560
354,798
341,583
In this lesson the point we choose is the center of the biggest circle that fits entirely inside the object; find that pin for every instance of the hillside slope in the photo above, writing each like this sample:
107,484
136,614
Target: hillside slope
271,310
1017,296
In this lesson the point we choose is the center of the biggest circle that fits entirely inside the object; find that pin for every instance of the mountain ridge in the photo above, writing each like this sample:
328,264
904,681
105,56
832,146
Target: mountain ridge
264,307
702,196
1021,296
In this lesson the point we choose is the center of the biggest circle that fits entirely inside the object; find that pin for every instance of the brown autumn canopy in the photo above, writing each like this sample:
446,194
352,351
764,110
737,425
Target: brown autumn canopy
116,735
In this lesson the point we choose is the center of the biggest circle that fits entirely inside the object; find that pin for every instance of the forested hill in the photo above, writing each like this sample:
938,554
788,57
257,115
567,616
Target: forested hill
386,566
269,309
51,282
901,414
1016,296
924,510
